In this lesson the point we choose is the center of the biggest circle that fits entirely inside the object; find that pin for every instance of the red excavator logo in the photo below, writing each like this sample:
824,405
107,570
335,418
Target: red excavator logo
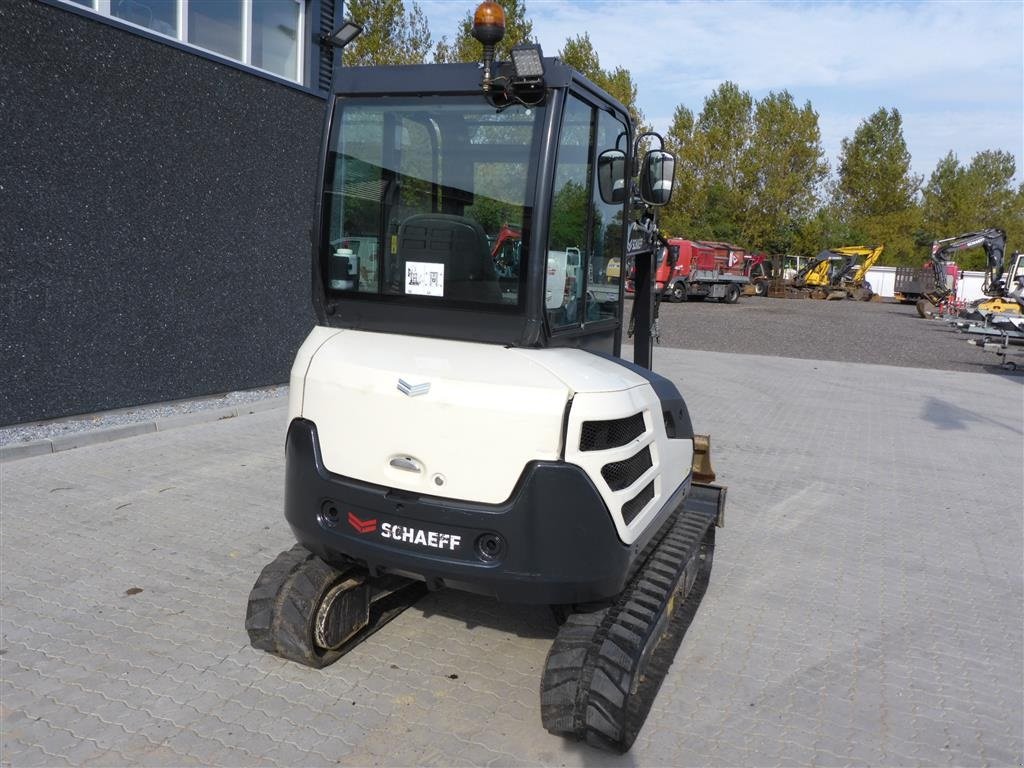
362,526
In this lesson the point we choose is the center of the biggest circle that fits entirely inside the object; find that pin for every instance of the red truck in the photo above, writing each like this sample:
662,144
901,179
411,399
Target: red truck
699,269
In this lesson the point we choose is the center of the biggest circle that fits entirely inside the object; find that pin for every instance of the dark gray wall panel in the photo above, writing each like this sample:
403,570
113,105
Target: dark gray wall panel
155,209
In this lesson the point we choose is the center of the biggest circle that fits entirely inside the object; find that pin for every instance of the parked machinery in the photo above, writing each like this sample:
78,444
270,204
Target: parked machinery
760,271
693,270
453,428
1001,285
911,284
1002,334
1006,293
839,273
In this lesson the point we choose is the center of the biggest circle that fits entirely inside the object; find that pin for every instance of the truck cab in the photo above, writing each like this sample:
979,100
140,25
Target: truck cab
696,269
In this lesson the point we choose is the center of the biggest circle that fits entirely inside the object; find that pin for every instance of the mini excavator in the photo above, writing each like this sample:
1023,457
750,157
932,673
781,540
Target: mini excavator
453,427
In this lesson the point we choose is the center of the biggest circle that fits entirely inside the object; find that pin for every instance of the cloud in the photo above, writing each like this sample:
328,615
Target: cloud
954,69
770,45
931,135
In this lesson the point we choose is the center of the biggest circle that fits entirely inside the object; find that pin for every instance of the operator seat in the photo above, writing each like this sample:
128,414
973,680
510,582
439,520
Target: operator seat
460,245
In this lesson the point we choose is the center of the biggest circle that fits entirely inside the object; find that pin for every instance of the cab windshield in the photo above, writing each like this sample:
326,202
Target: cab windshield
430,199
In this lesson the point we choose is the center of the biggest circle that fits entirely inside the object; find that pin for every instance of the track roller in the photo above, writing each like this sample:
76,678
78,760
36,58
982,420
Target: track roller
606,665
305,610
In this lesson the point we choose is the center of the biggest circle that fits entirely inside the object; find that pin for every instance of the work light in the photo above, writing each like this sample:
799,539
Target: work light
528,62
343,35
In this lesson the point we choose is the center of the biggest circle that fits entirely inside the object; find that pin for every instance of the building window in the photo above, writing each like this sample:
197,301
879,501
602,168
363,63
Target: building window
275,35
216,25
264,34
158,15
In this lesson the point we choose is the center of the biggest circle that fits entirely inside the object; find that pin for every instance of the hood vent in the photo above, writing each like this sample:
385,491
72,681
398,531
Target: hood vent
602,435
622,474
633,507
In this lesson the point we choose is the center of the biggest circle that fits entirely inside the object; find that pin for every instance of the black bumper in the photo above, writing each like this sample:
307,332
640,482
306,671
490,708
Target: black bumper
552,542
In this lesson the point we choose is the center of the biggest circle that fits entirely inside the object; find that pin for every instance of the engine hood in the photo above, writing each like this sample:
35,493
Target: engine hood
429,416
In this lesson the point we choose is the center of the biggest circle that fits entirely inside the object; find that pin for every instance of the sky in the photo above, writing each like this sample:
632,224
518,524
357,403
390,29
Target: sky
955,70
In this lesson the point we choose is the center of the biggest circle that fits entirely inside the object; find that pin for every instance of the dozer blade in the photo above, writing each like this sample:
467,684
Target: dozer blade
305,610
606,666
999,306
701,465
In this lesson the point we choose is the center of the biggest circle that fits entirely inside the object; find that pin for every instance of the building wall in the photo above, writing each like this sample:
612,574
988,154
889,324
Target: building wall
155,209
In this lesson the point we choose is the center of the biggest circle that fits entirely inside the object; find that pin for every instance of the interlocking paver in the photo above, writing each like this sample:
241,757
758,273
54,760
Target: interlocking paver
865,607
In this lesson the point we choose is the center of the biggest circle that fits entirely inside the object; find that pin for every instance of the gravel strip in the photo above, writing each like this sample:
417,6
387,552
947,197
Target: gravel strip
880,333
71,425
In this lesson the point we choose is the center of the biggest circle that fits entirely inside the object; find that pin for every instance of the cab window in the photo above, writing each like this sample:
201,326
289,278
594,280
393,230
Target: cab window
583,278
602,297
570,212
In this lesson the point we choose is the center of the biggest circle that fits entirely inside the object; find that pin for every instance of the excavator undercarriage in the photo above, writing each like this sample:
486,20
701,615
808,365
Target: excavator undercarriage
608,660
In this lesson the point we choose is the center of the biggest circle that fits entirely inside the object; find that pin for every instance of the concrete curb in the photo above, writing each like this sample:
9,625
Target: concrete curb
100,435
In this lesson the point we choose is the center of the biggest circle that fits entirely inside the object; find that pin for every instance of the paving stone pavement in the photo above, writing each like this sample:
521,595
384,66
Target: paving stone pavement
865,606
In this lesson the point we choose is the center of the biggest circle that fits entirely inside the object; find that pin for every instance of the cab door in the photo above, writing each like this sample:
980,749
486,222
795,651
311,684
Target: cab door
583,290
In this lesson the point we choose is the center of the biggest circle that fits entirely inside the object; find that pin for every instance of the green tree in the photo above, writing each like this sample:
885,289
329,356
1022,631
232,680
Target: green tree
391,34
568,216
1000,204
876,189
827,227
465,48
578,52
782,170
947,205
722,133
710,151
959,199
678,216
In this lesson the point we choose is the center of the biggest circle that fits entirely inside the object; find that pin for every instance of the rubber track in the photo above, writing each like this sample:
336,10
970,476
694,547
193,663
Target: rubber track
286,596
586,686
263,598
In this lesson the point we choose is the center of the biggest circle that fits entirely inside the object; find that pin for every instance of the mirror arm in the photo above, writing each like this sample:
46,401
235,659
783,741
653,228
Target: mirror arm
642,136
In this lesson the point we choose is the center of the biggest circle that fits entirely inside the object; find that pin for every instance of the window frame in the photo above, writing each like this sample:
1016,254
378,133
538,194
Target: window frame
581,326
595,201
527,228
101,11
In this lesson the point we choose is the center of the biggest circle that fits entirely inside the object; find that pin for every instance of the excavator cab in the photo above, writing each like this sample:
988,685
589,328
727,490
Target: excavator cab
462,420
425,183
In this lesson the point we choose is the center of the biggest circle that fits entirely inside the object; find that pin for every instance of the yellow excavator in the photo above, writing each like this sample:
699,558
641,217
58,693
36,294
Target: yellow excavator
839,273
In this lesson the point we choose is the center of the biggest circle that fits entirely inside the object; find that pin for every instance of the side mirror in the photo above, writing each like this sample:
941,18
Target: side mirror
611,176
657,176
